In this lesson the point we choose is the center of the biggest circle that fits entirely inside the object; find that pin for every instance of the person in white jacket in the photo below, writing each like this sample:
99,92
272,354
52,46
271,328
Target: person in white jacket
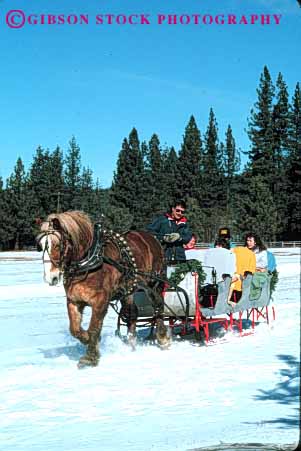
221,259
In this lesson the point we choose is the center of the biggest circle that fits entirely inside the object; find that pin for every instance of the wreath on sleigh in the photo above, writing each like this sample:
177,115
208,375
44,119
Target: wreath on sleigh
274,280
192,266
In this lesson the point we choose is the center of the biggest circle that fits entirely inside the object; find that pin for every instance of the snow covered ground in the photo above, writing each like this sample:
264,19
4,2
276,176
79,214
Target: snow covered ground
238,390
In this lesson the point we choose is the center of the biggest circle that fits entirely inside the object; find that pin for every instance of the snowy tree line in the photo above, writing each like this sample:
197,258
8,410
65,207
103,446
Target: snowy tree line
263,196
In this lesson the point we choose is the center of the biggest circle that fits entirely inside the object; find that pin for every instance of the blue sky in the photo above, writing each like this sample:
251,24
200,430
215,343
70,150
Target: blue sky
98,81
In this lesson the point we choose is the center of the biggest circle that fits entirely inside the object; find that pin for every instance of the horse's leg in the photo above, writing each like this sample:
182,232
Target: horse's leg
75,313
162,332
91,358
132,336
129,311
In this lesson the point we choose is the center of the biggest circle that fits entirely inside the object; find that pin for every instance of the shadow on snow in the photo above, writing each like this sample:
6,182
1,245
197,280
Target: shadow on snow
73,352
286,392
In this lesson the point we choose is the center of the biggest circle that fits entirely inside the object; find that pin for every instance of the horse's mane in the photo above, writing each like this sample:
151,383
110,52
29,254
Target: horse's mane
79,227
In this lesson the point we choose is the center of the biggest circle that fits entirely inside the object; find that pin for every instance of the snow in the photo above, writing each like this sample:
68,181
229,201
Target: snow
235,390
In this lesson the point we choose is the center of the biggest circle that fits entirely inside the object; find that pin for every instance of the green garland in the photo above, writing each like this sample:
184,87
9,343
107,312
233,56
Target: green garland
183,268
274,280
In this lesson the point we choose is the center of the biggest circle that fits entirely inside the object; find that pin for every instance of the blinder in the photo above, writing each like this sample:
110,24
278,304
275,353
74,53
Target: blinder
52,227
63,238
38,241
39,247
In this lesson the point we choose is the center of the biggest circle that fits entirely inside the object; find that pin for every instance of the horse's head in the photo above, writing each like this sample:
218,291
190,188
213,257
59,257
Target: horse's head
55,245
63,238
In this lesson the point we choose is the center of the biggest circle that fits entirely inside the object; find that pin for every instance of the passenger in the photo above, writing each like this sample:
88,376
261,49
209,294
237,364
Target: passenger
254,243
221,243
221,259
245,264
272,270
224,233
272,266
172,230
192,252
191,244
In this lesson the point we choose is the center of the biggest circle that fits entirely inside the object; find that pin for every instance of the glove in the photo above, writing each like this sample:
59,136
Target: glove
171,237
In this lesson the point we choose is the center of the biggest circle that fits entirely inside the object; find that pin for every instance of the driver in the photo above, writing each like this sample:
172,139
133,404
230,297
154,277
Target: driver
172,231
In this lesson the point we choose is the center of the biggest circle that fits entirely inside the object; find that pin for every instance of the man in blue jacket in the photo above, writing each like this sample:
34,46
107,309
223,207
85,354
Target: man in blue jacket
172,231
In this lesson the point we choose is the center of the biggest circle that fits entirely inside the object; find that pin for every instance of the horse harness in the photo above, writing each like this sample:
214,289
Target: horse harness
95,258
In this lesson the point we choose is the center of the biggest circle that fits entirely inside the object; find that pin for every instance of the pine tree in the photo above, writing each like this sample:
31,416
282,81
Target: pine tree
100,202
123,186
280,126
169,180
72,177
56,180
128,188
212,178
213,198
155,175
112,217
293,168
140,190
86,191
280,122
294,138
39,181
189,162
46,181
231,166
18,219
256,210
3,238
118,219
198,220
231,156
260,129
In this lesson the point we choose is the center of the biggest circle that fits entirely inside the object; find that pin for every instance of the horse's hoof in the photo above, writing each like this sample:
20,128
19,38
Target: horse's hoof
164,344
87,360
132,341
164,341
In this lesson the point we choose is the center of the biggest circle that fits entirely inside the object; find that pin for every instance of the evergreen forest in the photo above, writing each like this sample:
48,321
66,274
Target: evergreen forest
262,196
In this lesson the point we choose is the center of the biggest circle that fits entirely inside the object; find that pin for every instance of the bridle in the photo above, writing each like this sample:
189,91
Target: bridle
63,240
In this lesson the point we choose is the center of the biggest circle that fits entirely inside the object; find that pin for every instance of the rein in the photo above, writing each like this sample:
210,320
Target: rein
95,258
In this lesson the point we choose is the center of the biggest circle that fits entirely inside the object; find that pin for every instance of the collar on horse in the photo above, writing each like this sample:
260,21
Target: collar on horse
95,258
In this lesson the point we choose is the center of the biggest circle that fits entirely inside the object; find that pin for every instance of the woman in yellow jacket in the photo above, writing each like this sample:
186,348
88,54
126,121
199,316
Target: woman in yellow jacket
245,263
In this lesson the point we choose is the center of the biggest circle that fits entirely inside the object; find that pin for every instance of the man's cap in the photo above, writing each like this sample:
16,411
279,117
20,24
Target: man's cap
224,232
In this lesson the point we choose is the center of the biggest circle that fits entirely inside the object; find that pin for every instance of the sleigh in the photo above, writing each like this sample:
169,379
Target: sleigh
198,308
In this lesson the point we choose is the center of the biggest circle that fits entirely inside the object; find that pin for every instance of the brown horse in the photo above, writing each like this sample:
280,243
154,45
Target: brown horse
97,267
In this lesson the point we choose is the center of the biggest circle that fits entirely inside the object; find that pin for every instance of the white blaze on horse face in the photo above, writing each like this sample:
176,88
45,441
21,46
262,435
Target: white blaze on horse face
51,273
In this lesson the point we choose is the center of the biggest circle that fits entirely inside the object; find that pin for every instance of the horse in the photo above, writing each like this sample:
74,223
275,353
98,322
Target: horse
98,266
